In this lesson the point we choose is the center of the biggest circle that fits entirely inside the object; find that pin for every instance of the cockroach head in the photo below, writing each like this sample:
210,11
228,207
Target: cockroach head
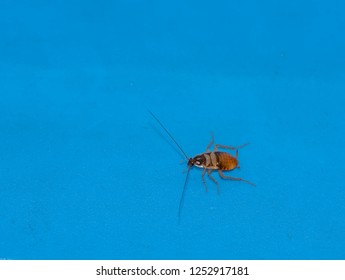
197,161
191,162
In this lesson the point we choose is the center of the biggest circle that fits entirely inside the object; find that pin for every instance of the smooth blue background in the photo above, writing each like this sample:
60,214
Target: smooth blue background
86,172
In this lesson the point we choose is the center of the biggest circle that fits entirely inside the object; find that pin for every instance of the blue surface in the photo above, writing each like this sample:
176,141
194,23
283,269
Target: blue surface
87,173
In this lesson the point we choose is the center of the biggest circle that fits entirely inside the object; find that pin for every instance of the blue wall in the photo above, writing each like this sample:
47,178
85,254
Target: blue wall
87,173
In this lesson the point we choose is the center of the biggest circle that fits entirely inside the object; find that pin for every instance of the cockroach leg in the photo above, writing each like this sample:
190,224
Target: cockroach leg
214,180
221,174
209,145
216,146
203,179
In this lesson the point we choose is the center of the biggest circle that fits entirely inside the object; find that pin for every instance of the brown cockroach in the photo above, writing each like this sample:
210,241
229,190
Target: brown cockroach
209,161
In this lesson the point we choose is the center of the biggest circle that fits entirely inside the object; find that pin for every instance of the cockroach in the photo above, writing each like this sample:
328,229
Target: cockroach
209,161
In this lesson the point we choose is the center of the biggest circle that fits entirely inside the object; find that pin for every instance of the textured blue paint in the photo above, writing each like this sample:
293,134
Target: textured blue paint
86,173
